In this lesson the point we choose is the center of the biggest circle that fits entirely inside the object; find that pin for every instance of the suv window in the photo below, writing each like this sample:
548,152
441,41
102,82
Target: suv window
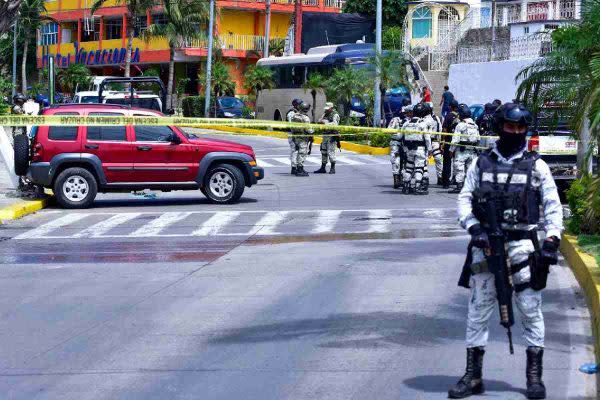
147,133
148,103
63,132
108,133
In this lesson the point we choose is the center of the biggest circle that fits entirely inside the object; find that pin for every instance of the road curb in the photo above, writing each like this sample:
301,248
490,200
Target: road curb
587,273
355,147
22,208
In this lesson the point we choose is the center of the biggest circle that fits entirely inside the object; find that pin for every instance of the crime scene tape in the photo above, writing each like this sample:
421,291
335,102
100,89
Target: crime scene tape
301,129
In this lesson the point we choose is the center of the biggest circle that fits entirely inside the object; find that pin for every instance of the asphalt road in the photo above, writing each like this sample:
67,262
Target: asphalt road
326,287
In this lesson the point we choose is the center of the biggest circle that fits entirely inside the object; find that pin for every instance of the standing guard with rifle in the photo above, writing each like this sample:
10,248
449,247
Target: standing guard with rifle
397,156
331,139
507,192
302,137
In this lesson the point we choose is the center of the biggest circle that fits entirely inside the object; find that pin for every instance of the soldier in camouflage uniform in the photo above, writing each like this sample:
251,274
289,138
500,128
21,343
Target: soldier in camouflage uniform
302,137
397,155
293,147
331,139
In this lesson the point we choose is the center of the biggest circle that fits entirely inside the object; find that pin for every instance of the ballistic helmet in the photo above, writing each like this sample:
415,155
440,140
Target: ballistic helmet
464,111
296,103
497,103
419,110
489,107
511,112
19,98
453,103
303,107
428,110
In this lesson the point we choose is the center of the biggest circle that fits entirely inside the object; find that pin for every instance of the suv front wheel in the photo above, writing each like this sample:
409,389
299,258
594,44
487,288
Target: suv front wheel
75,188
224,183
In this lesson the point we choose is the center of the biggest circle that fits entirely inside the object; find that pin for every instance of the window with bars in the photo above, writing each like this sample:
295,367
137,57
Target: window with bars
159,19
421,23
49,34
141,25
91,30
113,28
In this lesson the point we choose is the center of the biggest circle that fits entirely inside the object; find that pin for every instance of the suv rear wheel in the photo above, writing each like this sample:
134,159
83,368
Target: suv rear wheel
224,183
75,188
21,155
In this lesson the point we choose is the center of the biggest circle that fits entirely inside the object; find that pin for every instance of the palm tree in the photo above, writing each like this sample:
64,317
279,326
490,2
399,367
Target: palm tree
8,14
30,20
220,80
392,72
346,83
183,19
73,75
314,83
135,8
257,79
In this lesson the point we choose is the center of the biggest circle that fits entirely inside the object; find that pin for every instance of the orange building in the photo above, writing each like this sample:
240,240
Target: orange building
99,41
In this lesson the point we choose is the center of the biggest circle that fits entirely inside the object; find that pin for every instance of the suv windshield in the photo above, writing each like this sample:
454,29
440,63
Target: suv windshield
151,104
230,102
89,99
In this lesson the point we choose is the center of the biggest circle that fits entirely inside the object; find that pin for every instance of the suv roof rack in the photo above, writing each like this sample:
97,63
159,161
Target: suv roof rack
139,79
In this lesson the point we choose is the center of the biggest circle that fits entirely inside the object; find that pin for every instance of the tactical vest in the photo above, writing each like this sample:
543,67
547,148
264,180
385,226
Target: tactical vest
470,136
509,193
413,140
298,118
487,124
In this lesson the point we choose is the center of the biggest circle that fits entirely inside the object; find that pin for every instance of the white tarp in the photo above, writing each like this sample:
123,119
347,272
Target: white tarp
480,83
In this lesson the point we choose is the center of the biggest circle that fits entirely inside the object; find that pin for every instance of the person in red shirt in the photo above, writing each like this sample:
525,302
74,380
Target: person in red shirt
426,95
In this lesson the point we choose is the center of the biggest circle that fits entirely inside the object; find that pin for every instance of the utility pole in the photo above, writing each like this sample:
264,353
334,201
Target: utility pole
493,52
378,99
14,66
209,58
51,85
267,28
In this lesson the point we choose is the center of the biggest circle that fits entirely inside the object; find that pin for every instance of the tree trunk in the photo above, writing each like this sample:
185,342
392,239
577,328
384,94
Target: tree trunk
171,76
382,90
584,158
24,66
130,32
314,97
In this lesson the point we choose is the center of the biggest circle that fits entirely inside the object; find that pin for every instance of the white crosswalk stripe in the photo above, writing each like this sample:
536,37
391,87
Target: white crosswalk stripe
240,223
215,223
345,159
156,226
101,228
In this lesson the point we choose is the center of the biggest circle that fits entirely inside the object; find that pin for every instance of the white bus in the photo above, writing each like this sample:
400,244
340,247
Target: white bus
291,72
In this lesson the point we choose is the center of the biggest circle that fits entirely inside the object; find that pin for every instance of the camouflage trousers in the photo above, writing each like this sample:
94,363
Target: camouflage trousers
328,148
438,158
415,166
302,144
483,301
462,160
293,152
395,158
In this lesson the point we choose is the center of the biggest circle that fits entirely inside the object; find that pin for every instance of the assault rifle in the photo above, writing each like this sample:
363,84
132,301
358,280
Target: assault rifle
497,265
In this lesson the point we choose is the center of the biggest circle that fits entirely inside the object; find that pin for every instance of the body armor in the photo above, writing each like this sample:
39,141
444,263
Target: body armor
413,140
511,190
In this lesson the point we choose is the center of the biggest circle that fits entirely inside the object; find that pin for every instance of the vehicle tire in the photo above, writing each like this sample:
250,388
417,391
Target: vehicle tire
224,184
21,152
75,188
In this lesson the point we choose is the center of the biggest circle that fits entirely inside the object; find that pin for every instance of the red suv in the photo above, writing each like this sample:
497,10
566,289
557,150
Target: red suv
77,162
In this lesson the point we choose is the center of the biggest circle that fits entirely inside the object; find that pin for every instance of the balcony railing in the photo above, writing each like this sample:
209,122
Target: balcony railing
231,42
527,47
309,3
335,3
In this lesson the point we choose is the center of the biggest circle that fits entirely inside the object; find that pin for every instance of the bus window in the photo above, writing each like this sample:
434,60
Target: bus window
298,76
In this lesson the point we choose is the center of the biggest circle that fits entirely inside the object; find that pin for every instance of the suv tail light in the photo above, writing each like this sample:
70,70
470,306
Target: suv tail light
534,143
37,152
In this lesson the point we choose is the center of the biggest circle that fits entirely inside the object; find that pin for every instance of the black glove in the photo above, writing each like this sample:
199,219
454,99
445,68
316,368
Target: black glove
478,237
550,250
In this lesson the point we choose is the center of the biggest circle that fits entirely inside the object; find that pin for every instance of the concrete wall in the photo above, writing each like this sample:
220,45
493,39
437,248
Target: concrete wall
483,82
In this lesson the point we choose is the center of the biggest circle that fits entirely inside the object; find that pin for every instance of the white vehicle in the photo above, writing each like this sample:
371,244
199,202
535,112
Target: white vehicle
140,99
87,97
291,72
94,85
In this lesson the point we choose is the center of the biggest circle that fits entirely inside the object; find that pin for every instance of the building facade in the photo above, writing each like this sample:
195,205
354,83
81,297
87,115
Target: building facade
99,41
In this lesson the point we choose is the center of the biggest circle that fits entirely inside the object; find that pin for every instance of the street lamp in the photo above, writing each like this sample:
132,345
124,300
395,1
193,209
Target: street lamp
14,63
267,28
377,103
209,58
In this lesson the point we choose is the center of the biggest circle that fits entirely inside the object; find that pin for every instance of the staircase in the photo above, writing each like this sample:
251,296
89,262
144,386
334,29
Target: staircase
437,80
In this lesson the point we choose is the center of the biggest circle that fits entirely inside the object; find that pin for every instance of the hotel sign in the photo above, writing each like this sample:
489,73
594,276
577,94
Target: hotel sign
92,57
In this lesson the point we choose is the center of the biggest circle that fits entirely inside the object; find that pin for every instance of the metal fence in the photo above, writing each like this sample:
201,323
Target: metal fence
335,3
231,42
528,47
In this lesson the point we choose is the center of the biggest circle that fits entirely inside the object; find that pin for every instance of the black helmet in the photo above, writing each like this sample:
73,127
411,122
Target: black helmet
419,110
303,106
453,103
464,111
427,109
489,107
497,103
405,102
511,112
296,103
19,97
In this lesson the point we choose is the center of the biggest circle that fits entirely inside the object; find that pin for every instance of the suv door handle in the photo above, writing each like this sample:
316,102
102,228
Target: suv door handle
144,148
91,146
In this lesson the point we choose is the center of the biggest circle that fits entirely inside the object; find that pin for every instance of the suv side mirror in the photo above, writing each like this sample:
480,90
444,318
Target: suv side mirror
175,139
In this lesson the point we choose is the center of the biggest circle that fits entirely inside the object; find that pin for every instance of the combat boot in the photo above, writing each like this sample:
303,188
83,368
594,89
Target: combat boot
321,170
294,170
300,171
332,169
397,181
457,189
406,188
471,383
535,385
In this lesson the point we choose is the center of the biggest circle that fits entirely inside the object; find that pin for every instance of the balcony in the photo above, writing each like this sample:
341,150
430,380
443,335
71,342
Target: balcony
232,42
336,4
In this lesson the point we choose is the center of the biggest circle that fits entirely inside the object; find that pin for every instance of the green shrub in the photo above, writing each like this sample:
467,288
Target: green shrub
584,203
193,106
380,139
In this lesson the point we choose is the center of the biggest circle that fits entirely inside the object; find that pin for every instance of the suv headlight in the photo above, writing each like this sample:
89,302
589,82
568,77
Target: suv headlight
228,114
